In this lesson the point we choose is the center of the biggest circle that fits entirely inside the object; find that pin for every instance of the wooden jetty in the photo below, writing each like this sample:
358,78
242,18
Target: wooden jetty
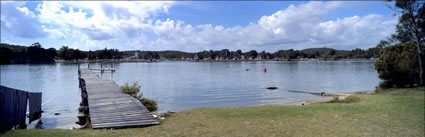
103,69
105,106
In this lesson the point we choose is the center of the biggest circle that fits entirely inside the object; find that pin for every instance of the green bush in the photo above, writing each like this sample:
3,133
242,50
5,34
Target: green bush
133,90
150,104
398,66
349,99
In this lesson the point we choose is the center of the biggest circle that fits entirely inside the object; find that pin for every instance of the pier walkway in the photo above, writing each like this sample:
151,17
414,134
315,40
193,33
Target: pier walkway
108,107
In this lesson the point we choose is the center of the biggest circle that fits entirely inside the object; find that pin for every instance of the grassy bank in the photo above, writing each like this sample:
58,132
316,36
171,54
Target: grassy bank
392,112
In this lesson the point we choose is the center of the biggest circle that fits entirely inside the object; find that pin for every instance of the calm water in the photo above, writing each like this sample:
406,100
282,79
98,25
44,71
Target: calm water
179,86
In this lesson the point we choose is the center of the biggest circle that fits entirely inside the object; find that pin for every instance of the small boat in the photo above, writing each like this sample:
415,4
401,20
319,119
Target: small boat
271,88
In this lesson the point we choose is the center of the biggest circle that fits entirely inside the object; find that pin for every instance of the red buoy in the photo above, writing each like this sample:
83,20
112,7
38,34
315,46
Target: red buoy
265,70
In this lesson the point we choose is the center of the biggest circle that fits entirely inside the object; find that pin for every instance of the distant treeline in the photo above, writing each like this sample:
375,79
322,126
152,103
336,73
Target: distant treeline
316,53
225,54
21,54
36,54
67,53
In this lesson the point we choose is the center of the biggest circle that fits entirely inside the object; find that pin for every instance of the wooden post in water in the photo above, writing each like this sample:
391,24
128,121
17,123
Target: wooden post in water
83,109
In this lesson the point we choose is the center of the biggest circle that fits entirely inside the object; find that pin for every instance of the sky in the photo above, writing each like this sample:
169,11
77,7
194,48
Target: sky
197,25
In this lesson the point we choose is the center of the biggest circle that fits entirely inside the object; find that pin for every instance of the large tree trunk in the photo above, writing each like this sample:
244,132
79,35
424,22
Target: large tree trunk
418,45
421,69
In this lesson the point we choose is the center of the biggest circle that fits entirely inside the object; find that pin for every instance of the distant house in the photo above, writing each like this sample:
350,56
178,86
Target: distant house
196,57
259,57
135,57
207,58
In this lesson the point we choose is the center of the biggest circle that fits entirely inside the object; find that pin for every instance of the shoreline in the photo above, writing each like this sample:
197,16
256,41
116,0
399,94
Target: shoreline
319,99
246,60
158,61
327,97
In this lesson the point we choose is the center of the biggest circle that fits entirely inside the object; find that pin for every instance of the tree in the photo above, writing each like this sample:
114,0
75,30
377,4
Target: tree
331,53
91,55
358,53
292,54
411,27
5,55
155,55
382,44
50,54
398,66
77,54
35,53
212,54
238,53
64,53
262,54
252,54
373,52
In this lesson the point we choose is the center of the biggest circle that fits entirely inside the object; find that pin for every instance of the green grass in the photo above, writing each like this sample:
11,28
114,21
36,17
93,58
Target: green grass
392,112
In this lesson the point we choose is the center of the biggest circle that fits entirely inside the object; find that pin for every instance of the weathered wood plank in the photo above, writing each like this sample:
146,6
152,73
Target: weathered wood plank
110,108
125,124
120,118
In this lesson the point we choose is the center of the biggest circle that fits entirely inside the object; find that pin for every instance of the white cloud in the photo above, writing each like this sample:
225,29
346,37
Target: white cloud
296,27
129,25
19,21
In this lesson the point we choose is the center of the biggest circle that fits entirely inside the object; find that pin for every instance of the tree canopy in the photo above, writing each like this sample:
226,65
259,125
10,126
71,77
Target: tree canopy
20,54
402,64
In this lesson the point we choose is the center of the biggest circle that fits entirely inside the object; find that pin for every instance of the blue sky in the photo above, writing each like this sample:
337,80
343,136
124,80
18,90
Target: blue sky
197,25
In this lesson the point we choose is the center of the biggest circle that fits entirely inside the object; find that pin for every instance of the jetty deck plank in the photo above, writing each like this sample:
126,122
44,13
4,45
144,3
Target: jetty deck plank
110,108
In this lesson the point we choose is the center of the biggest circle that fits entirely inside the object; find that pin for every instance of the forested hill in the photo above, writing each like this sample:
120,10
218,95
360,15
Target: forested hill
14,48
37,54
22,54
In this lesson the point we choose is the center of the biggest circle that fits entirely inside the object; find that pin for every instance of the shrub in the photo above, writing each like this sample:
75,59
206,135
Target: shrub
133,90
398,66
349,99
150,104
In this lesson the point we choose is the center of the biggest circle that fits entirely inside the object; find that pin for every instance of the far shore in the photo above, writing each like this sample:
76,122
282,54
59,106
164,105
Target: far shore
155,60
